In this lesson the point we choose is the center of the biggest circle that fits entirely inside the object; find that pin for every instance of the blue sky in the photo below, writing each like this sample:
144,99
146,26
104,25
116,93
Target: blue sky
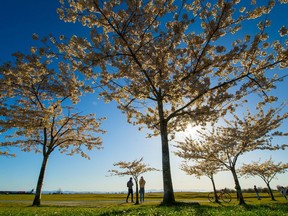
19,20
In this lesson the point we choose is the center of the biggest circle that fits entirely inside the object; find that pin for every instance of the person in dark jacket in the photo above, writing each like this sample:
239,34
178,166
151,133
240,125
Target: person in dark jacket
257,192
130,189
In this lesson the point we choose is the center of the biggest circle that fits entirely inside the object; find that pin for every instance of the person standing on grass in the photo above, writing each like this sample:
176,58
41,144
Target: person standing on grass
130,190
142,191
283,191
257,192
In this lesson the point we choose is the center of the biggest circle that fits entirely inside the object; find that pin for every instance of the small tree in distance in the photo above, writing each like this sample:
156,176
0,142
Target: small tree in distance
266,171
205,168
134,169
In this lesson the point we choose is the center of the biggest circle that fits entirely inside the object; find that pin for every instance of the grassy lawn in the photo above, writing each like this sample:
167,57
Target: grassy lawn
189,203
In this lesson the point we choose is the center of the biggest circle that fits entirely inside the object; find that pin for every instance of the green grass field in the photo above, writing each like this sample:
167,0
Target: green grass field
189,203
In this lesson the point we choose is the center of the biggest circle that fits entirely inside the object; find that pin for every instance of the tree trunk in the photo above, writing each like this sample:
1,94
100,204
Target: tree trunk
137,192
270,192
168,198
238,187
215,191
37,198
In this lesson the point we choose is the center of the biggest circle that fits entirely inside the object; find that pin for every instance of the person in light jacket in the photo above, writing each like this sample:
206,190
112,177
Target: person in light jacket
142,190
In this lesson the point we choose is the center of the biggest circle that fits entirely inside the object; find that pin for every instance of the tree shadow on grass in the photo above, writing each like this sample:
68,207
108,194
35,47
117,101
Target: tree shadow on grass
177,209
269,207
187,208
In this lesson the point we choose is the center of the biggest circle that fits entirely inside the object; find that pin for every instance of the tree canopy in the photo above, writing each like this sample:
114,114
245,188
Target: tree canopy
204,168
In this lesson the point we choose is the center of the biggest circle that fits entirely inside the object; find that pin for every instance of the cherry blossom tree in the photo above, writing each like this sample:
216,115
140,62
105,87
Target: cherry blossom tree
204,168
173,63
224,144
37,109
134,169
266,171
